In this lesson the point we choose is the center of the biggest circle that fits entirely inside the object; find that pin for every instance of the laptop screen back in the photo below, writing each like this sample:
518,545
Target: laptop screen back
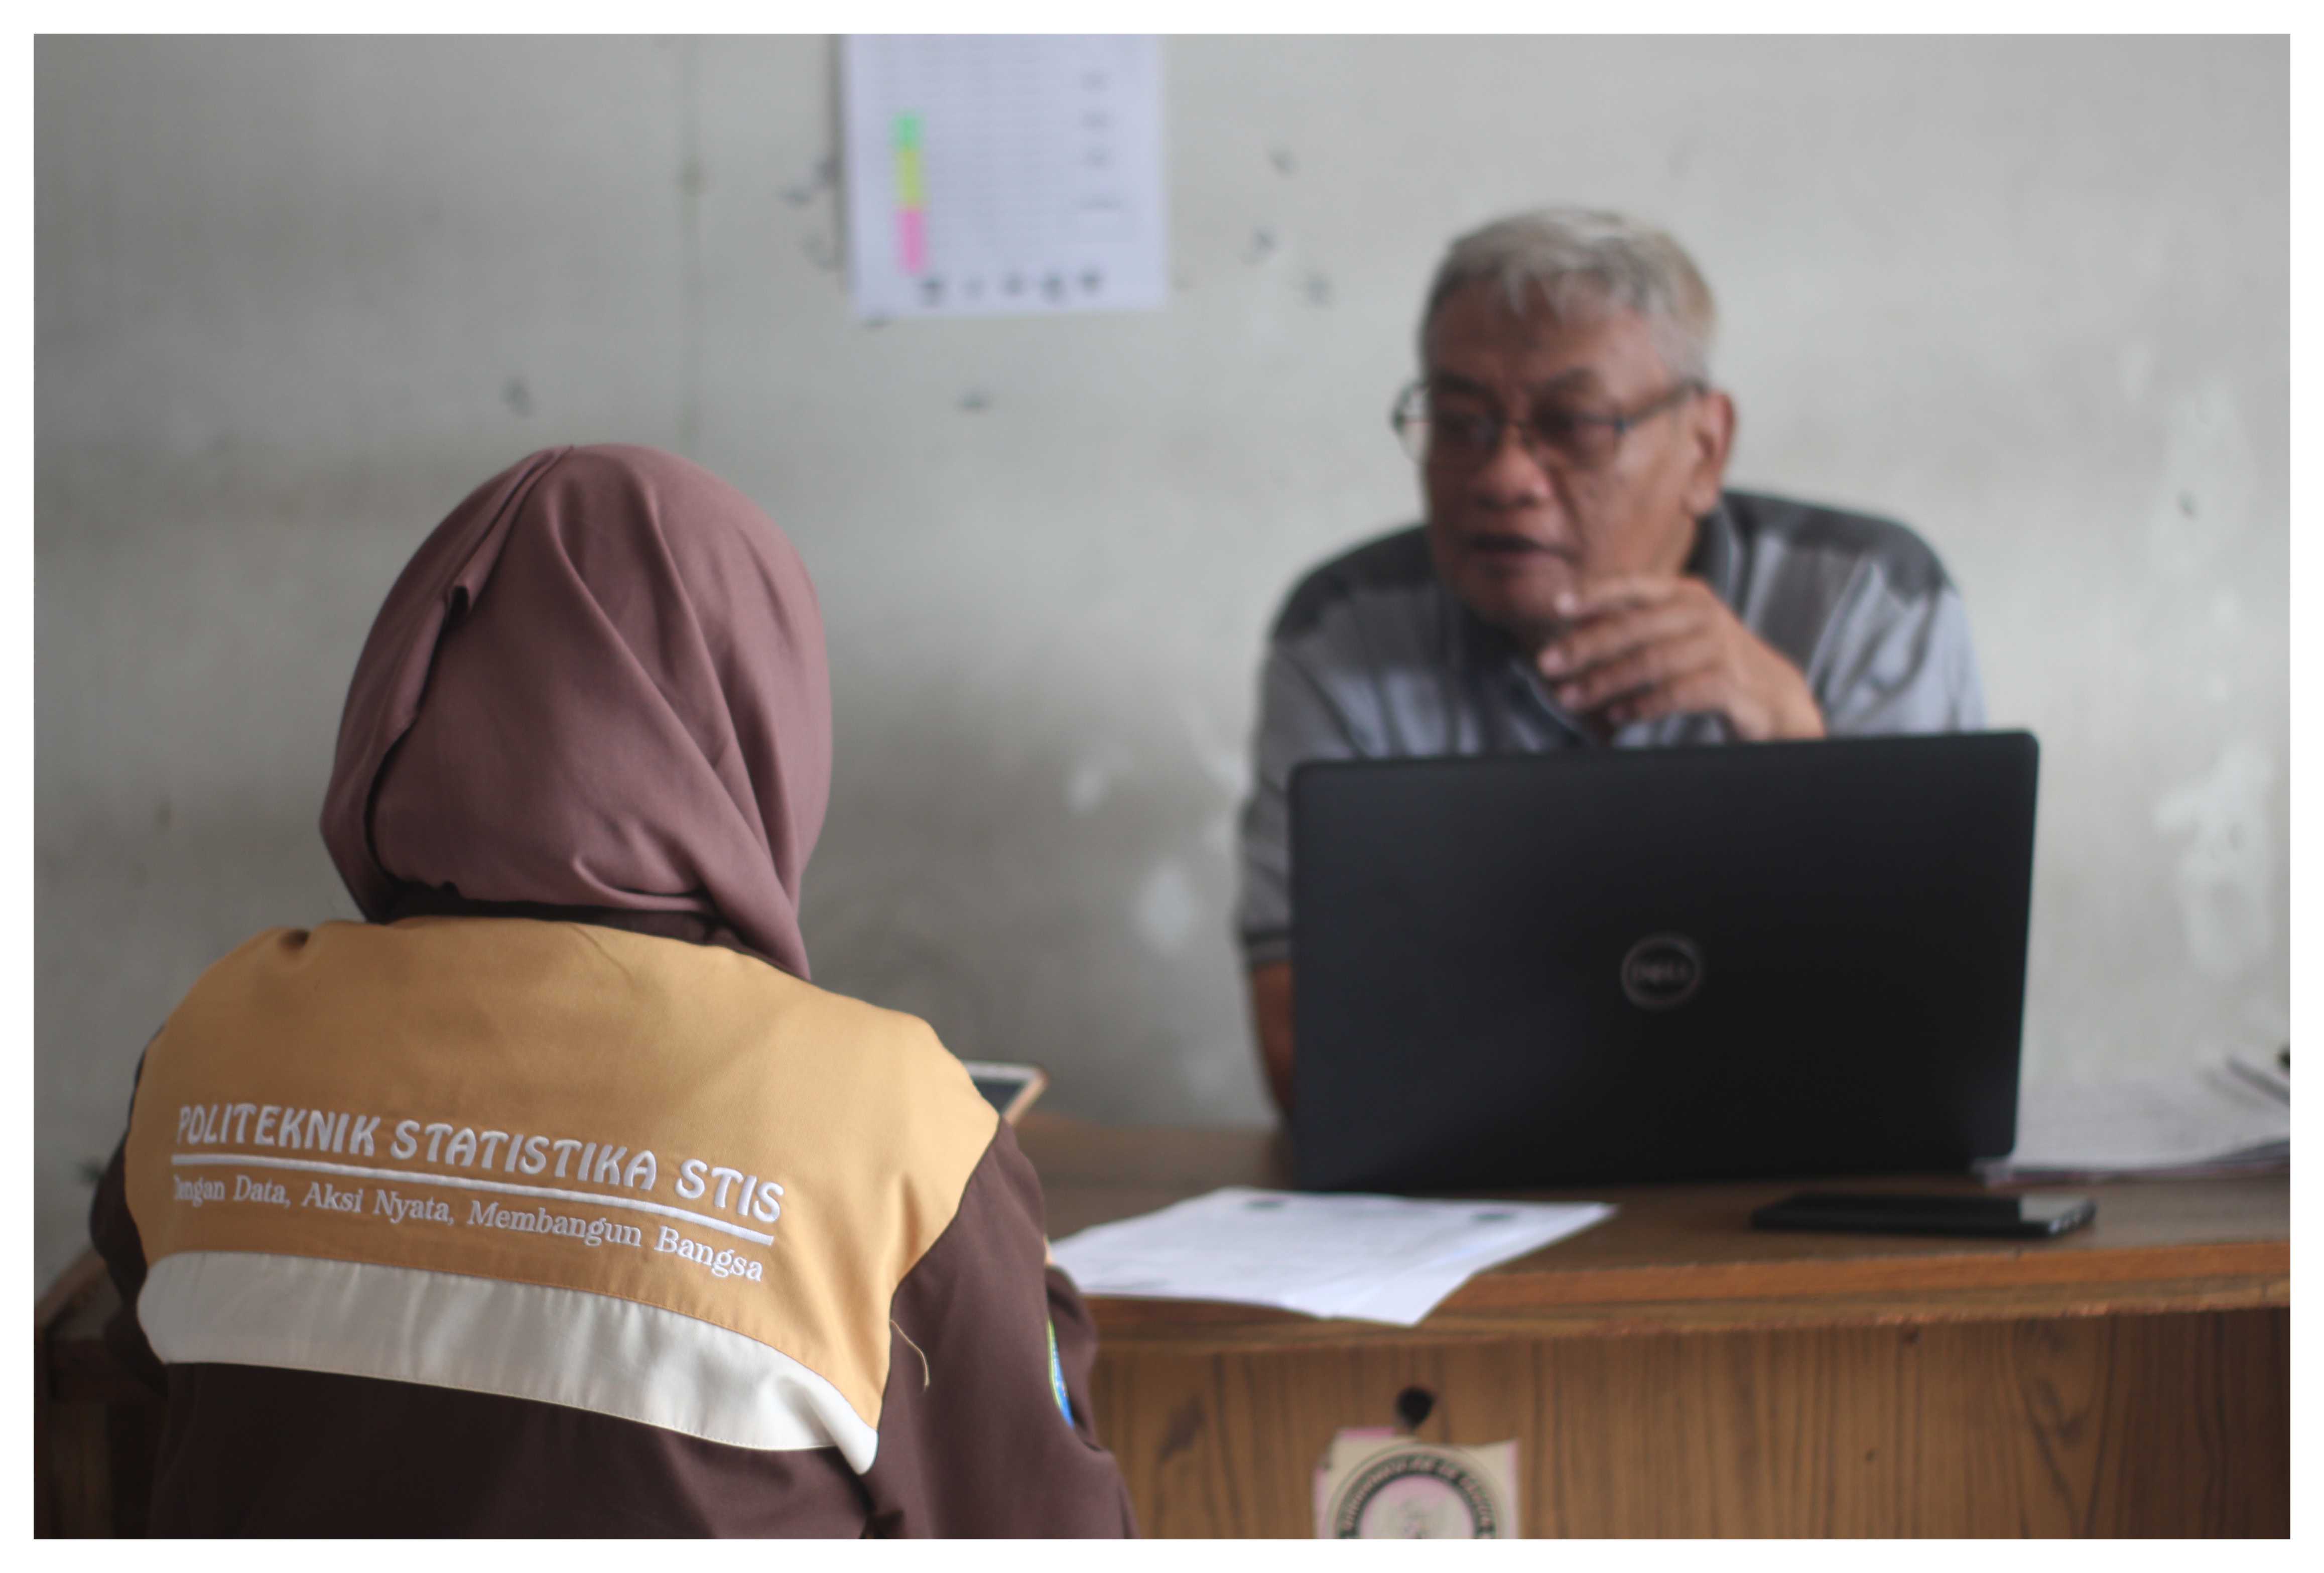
1656,965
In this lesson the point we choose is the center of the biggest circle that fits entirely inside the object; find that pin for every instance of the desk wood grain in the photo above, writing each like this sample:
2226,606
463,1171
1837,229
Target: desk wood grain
1672,1372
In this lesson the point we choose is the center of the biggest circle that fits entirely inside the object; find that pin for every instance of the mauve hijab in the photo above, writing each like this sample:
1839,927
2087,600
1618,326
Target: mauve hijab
599,684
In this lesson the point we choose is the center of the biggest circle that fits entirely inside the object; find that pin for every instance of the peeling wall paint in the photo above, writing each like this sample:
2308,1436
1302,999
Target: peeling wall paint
1168,909
2228,866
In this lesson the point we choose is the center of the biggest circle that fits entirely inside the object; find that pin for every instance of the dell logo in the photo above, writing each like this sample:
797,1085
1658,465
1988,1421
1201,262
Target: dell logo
1662,970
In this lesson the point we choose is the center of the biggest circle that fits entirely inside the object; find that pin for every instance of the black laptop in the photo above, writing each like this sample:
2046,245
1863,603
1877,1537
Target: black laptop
1625,964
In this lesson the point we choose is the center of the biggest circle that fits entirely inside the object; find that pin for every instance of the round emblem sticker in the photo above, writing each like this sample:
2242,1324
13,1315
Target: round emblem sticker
1417,1493
1662,970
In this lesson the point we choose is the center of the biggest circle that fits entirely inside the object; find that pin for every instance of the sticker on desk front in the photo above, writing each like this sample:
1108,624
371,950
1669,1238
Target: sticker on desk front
1372,1486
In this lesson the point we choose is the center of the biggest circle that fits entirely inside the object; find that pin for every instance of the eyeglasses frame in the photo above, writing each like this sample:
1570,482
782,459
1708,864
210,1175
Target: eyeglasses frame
1400,416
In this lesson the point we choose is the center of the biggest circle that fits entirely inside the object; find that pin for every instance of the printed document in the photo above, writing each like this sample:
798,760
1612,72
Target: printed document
996,175
2229,1117
1375,1258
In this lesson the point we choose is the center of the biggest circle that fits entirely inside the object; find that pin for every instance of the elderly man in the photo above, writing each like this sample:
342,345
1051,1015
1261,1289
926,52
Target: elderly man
1583,577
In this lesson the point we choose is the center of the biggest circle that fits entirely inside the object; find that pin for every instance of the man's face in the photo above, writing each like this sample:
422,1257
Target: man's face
1511,530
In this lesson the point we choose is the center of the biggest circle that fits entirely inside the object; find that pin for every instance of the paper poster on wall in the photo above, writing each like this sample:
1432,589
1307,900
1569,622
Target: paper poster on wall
994,176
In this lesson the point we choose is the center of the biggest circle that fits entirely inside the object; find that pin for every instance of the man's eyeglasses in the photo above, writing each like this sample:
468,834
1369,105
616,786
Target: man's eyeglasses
1463,435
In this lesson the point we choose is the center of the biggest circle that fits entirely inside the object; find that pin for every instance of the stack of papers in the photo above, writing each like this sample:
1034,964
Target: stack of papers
1375,1258
2232,1118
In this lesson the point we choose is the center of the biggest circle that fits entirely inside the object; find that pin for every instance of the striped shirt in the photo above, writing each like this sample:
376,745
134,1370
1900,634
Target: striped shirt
1372,658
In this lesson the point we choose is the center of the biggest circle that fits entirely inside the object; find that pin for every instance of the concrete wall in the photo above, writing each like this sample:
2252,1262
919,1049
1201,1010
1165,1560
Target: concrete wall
294,298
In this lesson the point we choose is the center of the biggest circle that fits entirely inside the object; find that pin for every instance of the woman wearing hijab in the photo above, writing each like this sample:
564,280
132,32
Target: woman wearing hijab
554,1198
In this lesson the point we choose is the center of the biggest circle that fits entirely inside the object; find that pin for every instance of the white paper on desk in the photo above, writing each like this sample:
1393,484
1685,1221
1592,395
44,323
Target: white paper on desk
1375,1258
2204,1119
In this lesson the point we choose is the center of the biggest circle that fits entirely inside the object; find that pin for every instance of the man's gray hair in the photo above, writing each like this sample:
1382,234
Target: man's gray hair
1579,261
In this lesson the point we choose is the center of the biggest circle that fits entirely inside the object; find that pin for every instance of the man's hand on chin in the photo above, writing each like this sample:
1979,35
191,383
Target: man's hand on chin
1635,647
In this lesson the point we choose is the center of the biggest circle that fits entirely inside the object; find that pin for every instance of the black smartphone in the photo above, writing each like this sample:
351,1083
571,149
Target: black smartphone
2035,1214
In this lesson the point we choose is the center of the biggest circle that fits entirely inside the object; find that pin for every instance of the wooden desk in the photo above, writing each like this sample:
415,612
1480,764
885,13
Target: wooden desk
1672,1372
95,1429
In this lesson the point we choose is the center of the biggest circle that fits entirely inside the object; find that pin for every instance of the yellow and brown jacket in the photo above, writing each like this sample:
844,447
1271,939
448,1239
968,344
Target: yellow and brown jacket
485,1226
